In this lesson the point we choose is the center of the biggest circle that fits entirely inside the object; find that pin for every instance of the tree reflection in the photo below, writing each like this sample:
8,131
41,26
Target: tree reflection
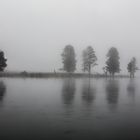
2,90
88,92
68,91
131,89
112,93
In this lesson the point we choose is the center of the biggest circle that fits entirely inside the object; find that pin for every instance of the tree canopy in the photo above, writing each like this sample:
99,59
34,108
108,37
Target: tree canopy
131,67
113,64
89,59
2,61
69,59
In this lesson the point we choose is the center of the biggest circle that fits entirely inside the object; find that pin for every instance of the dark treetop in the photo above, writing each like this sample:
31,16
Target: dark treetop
112,63
68,59
89,59
2,61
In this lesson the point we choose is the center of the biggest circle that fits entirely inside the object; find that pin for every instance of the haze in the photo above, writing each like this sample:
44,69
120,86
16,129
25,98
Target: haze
33,33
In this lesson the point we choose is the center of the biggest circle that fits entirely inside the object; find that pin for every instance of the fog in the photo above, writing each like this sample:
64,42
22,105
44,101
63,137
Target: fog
33,33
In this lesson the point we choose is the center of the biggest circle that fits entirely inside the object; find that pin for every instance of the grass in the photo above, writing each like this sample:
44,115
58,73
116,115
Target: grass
53,75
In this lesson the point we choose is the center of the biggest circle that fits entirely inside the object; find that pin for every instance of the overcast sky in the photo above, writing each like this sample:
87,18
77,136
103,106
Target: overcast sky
33,33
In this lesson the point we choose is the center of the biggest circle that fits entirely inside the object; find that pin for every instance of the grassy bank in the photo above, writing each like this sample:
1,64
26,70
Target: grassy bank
53,75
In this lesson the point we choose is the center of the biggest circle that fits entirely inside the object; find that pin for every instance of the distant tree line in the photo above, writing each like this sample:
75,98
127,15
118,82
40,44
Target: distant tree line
89,61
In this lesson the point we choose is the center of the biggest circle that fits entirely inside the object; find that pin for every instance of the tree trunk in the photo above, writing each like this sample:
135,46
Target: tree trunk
89,71
110,74
133,75
105,74
113,74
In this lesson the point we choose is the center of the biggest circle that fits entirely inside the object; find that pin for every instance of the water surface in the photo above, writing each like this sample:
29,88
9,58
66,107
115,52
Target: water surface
69,108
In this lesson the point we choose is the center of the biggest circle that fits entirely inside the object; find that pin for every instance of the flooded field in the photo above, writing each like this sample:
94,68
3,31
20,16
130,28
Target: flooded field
69,108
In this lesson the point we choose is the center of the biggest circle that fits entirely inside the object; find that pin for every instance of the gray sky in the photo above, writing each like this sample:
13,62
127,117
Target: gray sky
34,32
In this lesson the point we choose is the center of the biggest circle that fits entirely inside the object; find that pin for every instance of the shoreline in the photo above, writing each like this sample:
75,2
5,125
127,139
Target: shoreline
55,75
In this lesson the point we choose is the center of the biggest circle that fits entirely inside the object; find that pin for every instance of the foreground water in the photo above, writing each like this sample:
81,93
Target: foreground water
69,109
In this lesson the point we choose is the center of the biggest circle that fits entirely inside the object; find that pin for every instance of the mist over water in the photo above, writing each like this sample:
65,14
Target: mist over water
42,44
34,32
69,108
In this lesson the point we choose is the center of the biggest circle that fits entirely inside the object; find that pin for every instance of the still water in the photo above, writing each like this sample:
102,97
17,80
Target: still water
69,108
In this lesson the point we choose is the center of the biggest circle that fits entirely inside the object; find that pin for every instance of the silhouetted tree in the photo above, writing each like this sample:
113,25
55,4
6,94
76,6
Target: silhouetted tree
131,67
113,64
84,55
89,59
68,59
2,61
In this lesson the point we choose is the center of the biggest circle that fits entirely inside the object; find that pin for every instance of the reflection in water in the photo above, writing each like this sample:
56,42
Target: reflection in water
131,89
112,93
88,92
68,91
2,90
69,109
